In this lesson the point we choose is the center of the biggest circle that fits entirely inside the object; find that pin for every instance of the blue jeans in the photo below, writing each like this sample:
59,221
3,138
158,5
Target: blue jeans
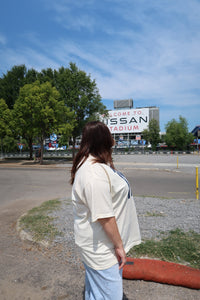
103,284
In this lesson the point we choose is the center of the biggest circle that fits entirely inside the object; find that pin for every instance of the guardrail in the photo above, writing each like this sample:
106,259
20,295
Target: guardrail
45,155
147,152
118,151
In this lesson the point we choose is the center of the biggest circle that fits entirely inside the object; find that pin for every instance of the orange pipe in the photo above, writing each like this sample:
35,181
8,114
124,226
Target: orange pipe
162,271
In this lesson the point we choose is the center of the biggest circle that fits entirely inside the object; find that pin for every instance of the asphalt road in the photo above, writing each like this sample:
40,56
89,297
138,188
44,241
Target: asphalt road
161,184
167,176
29,184
148,176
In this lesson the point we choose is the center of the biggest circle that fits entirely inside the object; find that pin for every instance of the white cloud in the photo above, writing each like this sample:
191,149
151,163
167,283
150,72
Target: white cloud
72,14
141,49
29,57
169,72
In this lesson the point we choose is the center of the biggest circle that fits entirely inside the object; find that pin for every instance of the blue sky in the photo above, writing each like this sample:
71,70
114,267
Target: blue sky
145,50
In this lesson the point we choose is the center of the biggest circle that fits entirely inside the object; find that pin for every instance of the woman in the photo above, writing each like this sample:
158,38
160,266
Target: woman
105,220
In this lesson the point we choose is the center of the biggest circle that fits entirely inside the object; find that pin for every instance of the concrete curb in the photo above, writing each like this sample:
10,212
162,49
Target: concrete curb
36,166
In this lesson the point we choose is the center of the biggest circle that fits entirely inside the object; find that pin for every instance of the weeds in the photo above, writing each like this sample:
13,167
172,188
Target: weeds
177,246
38,223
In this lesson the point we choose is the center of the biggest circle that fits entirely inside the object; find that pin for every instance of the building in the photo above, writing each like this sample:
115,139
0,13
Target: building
127,123
196,133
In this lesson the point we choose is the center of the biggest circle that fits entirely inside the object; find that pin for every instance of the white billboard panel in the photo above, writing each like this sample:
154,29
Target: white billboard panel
128,121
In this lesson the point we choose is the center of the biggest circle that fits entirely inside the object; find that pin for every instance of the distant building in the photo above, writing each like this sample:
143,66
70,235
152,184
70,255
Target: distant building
126,123
196,133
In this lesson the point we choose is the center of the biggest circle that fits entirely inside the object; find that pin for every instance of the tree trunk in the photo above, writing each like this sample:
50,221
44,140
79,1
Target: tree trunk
41,151
73,146
1,148
30,143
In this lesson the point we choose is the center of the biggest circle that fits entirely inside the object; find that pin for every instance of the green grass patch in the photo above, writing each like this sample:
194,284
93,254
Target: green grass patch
38,223
178,246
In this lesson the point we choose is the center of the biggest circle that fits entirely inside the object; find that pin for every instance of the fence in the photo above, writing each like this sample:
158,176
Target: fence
117,151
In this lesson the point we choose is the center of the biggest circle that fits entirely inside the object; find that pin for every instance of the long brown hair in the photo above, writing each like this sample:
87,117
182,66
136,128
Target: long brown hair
97,141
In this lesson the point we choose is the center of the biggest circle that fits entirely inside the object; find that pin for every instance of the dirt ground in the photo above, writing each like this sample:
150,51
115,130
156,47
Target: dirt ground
28,271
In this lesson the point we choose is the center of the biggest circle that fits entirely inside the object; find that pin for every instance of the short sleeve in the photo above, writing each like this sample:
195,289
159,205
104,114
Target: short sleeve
98,196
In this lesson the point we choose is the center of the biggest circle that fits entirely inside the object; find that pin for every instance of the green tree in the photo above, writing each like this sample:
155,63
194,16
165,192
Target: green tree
46,75
31,76
39,112
10,144
81,94
152,134
177,134
23,116
78,91
5,118
11,83
13,80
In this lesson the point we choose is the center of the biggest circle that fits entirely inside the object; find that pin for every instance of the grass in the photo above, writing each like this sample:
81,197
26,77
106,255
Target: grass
38,223
177,246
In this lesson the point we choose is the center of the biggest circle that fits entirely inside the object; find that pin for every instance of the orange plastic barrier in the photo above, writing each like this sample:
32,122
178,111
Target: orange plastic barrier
161,271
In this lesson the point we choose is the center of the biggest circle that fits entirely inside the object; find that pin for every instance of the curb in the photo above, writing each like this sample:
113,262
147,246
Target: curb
21,166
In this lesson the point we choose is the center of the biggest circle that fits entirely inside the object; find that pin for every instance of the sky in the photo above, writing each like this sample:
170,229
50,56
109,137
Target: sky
148,51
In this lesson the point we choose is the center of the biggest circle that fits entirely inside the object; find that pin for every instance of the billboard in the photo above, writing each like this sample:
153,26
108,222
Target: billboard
128,121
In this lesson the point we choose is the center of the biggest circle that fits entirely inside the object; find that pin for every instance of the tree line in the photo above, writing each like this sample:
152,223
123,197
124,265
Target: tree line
177,136
35,104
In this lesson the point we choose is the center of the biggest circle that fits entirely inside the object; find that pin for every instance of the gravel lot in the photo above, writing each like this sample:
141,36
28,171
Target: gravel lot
168,214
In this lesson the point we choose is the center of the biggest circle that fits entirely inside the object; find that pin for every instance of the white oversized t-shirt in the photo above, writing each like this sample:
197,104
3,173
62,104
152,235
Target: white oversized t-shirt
101,192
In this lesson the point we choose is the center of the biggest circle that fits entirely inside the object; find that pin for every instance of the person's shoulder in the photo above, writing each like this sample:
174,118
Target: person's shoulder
96,168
